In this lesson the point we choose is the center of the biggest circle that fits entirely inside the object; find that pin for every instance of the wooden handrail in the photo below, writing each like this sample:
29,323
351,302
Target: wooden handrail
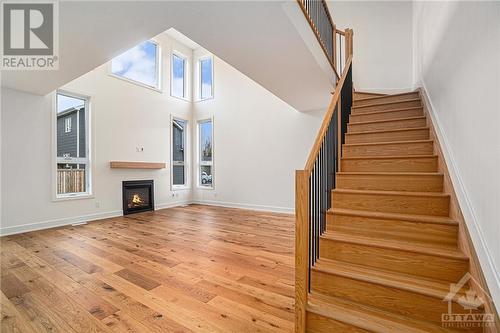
303,203
328,116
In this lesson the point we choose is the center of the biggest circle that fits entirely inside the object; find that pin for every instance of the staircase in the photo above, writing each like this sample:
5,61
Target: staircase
388,252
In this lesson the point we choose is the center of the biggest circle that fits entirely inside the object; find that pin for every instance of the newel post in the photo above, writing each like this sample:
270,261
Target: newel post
348,43
301,248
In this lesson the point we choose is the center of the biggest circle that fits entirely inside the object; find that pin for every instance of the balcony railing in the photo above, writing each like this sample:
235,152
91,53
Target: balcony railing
336,44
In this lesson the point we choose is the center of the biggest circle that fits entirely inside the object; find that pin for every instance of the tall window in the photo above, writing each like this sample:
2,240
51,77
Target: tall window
179,129
72,160
178,78
140,64
205,148
206,78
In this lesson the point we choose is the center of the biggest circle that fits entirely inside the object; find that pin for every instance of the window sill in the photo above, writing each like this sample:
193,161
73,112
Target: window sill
137,83
73,197
175,188
205,188
185,99
204,99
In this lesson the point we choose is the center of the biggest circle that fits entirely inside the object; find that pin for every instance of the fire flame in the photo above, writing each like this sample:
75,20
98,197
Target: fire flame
137,199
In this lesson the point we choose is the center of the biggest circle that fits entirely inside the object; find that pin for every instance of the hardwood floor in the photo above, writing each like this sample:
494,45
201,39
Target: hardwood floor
185,269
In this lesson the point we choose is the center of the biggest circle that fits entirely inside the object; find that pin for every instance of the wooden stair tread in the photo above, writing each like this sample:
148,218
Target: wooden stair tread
402,193
395,216
386,103
389,131
385,142
428,249
385,96
367,317
386,111
386,120
391,173
421,285
386,157
369,93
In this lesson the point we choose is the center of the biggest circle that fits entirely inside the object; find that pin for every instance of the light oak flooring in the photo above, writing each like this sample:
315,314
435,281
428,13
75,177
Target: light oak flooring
195,268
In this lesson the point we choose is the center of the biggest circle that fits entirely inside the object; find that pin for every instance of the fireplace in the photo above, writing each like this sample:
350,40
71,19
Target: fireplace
138,196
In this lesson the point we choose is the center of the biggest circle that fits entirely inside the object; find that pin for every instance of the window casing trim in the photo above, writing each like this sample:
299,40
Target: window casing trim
199,163
88,160
200,82
187,183
159,86
187,94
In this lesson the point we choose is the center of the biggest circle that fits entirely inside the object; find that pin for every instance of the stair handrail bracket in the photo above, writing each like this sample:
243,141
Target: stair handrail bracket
313,186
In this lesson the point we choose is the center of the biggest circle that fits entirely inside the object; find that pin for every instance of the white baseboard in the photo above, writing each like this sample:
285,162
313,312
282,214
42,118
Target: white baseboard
4,231
273,209
490,272
172,204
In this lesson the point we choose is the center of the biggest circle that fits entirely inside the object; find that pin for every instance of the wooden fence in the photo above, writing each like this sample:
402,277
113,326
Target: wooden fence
70,181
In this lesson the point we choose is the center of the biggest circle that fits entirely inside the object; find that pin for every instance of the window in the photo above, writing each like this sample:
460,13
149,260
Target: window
206,78
140,64
178,79
72,158
205,147
179,129
67,124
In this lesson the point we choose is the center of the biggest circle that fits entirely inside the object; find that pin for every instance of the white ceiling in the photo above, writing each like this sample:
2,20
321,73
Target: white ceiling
262,39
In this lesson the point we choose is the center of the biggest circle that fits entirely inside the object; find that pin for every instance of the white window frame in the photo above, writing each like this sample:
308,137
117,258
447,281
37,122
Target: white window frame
87,161
67,125
200,78
186,184
186,75
198,153
158,87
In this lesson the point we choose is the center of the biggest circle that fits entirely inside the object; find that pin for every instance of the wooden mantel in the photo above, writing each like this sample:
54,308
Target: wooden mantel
136,165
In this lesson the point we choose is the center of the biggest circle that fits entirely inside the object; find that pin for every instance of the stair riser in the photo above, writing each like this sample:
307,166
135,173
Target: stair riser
387,125
361,95
404,164
385,107
415,183
316,323
405,231
414,134
395,300
386,99
420,205
424,265
391,149
356,118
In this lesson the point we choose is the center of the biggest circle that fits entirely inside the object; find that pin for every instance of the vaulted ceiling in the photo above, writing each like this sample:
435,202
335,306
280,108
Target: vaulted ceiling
269,41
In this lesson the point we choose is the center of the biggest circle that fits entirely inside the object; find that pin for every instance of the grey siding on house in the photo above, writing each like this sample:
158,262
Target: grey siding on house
178,174
83,149
178,151
67,142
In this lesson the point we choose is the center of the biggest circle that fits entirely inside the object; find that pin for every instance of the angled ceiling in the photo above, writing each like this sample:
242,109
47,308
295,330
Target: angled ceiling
265,40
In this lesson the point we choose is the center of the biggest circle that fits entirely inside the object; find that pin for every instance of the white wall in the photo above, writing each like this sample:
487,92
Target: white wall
382,59
457,60
259,142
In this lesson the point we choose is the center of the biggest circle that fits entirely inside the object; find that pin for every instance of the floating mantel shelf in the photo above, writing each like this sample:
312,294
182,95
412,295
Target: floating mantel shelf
136,165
